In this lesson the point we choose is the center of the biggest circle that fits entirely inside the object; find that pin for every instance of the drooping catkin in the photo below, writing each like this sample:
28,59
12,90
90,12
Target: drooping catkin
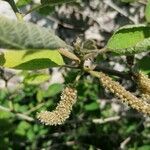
122,93
63,109
143,83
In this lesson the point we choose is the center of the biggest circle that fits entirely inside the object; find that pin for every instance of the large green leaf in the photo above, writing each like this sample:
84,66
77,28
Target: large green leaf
55,2
130,39
21,35
30,60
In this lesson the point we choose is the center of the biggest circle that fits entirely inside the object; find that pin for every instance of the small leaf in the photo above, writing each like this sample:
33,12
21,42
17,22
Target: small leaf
22,128
46,10
39,95
36,78
21,3
30,61
55,2
144,64
147,11
130,39
5,115
92,106
53,90
144,147
20,35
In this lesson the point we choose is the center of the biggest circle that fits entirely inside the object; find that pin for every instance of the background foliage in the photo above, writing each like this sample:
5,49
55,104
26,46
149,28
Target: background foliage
98,121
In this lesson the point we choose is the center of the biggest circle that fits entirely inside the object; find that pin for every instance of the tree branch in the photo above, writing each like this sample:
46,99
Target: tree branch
113,72
19,115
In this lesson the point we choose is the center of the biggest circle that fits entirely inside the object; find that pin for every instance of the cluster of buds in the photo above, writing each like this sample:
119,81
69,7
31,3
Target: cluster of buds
63,109
123,94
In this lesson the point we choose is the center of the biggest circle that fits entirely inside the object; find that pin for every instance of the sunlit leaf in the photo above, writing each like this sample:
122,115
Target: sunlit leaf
36,78
147,11
130,39
30,60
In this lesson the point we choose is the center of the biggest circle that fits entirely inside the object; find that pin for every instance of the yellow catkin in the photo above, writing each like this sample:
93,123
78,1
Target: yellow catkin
123,94
143,83
63,109
145,97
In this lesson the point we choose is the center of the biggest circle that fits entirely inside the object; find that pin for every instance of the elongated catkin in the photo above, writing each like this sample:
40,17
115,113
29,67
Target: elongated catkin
122,93
143,83
63,109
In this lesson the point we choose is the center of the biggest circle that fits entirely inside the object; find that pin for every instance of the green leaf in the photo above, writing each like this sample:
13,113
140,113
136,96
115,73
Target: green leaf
147,11
144,147
92,106
30,60
46,10
21,35
39,95
144,64
22,128
21,3
55,2
5,115
36,78
130,39
53,90
128,1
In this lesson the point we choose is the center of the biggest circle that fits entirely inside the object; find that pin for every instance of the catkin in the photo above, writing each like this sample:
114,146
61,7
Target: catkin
143,83
123,94
63,109
145,97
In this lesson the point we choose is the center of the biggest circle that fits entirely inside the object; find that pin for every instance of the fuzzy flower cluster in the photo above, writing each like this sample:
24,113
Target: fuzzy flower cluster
146,97
124,95
144,83
63,109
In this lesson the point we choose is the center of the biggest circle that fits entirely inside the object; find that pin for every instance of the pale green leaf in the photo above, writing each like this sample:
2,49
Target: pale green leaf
30,60
147,11
21,35
130,39
36,78
92,106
